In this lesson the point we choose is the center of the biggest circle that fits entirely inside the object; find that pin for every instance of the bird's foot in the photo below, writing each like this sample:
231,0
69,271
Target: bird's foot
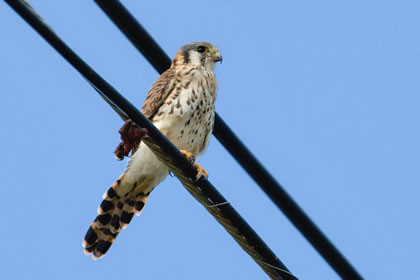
200,170
188,155
131,135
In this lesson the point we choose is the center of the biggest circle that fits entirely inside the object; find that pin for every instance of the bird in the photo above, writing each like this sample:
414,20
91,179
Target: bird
181,104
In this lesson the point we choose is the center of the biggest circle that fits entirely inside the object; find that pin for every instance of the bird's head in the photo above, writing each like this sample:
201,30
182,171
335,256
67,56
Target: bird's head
198,54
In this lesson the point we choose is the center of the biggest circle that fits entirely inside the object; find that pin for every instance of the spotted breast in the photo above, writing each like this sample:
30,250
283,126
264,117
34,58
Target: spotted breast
187,115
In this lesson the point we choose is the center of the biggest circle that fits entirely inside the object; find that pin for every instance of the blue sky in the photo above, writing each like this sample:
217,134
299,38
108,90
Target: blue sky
325,93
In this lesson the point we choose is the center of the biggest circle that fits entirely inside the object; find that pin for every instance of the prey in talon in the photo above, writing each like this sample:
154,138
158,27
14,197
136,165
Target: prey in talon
181,105
131,135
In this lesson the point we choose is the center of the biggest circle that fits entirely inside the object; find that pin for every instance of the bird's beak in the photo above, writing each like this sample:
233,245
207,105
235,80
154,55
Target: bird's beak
217,57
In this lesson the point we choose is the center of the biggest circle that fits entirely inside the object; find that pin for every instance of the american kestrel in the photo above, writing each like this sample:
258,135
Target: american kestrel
181,105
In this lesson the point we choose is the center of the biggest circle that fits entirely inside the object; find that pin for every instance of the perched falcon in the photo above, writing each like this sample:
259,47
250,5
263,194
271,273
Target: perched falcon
181,105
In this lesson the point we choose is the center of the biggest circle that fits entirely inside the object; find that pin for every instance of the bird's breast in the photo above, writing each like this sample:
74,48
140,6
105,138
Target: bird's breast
187,115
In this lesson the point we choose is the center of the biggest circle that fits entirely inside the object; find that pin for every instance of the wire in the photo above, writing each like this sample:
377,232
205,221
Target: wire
201,189
160,60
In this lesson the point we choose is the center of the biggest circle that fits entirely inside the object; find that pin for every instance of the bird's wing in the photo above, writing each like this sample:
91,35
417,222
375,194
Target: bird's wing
158,93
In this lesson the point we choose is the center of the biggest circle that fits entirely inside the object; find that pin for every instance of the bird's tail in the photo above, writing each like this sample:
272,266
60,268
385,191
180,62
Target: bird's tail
114,214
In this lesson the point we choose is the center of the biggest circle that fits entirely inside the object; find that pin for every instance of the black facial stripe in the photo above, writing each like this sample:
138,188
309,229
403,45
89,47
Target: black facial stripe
186,54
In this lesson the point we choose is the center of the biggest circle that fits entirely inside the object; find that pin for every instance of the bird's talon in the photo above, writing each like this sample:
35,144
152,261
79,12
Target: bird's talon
200,171
188,155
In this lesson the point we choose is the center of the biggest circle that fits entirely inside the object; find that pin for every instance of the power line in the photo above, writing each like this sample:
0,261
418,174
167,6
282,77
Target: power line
201,189
160,60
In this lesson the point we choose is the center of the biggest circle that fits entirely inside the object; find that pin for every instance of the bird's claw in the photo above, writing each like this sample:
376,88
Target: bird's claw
200,171
188,155
199,168
131,135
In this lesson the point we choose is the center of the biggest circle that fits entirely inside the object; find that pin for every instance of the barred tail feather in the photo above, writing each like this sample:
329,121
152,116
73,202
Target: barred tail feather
114,214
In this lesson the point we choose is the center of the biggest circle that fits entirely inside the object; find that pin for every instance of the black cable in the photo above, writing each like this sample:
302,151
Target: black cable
160,60
30,16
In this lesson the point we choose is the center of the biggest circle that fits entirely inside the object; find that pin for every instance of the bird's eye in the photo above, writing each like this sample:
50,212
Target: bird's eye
201,49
